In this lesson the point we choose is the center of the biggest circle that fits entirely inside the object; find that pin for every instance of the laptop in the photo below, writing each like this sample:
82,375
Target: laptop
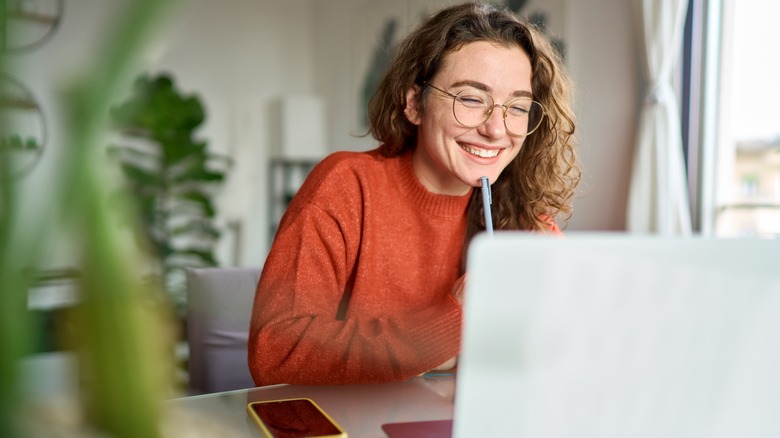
619,335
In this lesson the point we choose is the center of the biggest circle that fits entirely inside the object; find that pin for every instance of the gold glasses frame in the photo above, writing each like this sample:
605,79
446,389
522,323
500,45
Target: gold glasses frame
489,111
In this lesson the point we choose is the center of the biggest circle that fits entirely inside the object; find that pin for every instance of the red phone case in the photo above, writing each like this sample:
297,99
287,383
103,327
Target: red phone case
419,429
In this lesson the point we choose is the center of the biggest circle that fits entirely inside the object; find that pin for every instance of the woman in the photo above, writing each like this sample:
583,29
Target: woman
365,278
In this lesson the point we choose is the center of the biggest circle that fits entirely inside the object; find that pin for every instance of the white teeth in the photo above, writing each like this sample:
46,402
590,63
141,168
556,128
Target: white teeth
484,153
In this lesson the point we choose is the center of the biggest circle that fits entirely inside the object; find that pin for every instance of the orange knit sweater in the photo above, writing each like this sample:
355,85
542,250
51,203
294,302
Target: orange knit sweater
356,287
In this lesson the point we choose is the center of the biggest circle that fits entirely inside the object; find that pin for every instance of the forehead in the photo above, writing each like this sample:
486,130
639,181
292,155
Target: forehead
501,68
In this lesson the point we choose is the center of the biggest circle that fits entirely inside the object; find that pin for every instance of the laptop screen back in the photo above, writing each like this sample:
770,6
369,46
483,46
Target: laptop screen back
607,335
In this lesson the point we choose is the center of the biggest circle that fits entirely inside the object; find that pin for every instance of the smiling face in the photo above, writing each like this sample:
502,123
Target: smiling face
450,158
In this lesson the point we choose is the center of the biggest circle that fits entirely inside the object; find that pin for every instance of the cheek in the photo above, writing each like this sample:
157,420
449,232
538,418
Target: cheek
516,146
449,128
437,126
439,116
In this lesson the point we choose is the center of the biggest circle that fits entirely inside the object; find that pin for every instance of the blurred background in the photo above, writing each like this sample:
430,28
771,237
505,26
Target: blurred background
286,80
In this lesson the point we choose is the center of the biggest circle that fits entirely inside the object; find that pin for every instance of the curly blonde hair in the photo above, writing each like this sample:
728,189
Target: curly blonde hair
538,185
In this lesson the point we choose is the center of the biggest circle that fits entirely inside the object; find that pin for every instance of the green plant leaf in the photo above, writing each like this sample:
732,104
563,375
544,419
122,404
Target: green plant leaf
195,168
196,228
205,257
186,201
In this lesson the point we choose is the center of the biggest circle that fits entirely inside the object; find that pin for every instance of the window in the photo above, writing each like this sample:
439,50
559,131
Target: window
735,173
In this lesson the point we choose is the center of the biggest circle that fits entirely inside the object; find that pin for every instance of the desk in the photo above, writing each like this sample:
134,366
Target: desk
359,409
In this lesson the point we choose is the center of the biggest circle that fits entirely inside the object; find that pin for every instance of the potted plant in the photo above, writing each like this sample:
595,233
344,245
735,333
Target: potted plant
172,176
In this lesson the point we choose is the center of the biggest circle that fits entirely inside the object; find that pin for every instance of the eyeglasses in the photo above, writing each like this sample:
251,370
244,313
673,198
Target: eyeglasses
472,107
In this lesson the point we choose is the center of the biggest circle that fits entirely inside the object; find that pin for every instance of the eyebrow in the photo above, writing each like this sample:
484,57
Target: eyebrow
487,89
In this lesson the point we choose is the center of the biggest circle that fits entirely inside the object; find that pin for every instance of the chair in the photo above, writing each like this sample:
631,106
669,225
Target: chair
219,308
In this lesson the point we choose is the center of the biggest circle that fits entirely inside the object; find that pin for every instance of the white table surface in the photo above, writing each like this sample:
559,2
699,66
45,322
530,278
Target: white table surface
359,409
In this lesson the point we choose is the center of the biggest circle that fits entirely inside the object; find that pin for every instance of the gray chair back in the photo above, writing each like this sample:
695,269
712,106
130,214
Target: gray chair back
219,308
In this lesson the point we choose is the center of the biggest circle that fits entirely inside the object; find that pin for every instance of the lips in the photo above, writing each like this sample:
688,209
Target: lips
483,153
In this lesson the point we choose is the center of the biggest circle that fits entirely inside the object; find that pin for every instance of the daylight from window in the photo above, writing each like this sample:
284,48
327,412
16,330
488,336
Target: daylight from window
750,206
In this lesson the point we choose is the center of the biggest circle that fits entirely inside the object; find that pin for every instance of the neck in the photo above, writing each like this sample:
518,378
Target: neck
440,186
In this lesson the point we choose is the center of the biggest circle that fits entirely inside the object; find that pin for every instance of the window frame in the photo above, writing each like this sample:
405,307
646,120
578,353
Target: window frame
701,78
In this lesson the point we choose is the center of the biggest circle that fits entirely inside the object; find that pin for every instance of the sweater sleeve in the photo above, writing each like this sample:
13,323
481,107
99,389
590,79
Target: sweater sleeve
295,335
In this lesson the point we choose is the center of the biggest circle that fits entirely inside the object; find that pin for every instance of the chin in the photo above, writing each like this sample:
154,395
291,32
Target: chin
492,177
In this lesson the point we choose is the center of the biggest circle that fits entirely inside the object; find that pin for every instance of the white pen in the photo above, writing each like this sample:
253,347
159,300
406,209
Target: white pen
487,199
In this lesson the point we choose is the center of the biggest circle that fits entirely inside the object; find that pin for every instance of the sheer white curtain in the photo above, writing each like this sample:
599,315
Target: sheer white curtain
658,196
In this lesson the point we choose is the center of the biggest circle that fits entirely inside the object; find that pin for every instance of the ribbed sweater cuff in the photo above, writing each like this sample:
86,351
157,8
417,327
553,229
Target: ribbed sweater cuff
439,339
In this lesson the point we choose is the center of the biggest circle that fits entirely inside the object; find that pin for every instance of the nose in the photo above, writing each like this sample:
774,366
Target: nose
494,124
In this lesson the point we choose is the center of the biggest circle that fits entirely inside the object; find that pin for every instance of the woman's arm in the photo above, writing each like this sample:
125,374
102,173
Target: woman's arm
295,336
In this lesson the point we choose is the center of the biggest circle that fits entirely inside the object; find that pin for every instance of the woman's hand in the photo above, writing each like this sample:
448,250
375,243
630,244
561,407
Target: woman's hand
448,365
459,288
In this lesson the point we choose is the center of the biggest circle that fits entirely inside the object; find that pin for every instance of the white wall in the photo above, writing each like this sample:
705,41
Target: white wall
602,57
240,56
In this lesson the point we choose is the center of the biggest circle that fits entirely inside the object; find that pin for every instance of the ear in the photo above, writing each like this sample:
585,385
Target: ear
412,108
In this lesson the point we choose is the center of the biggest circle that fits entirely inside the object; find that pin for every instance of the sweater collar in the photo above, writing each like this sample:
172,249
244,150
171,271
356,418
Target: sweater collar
431,203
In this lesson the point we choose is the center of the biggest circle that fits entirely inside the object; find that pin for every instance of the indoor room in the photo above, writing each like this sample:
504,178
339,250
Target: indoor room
151,149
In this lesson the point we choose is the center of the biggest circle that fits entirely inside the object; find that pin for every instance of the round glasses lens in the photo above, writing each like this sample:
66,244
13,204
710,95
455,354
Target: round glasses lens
471,107
523,116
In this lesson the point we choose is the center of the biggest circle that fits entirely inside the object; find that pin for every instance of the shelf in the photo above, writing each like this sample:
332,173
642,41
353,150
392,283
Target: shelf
22,104
33,17
285,178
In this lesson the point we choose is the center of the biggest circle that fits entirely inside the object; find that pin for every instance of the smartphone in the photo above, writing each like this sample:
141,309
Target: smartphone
293,418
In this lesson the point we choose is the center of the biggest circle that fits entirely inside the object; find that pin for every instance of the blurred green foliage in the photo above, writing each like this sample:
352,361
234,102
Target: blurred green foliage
122,332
